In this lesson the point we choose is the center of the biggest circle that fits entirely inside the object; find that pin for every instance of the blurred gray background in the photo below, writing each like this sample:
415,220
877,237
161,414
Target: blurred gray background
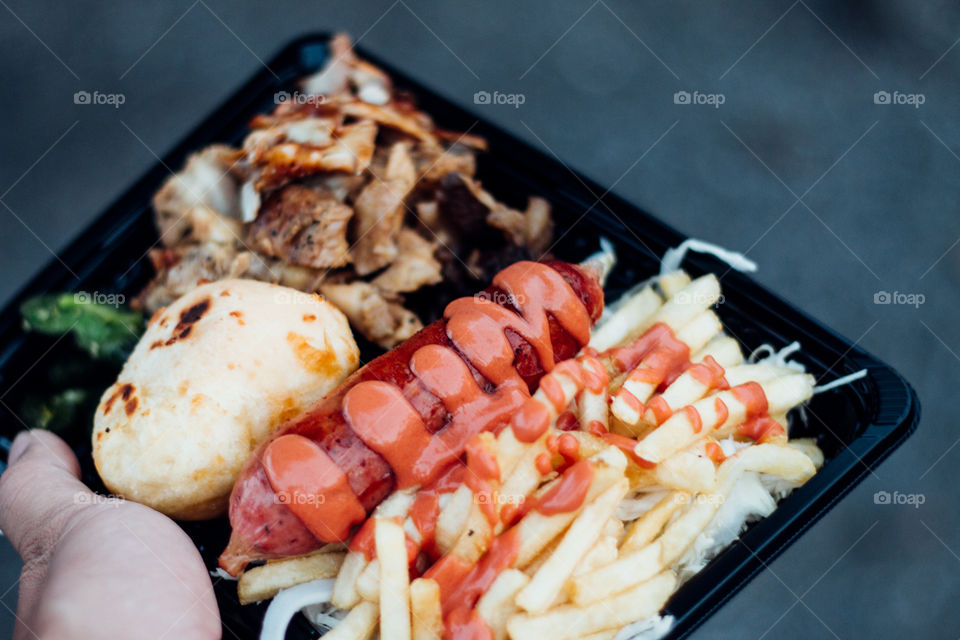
836,196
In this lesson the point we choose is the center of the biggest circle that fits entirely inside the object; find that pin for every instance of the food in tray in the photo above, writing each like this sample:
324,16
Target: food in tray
347,189
530,464
211,378
512,472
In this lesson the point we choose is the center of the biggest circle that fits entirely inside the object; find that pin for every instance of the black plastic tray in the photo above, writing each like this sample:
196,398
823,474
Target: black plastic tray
857,425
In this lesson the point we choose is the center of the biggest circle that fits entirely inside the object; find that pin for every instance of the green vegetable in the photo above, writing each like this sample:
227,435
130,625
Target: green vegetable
58,412
104,331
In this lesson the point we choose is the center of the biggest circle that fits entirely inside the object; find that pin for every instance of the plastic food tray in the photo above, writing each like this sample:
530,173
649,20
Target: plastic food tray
857,425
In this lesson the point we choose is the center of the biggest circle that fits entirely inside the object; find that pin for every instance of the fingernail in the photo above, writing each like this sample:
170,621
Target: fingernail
20,444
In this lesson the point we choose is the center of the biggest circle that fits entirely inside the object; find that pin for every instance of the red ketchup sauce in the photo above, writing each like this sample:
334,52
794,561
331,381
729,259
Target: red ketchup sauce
462,584
384,419
758,426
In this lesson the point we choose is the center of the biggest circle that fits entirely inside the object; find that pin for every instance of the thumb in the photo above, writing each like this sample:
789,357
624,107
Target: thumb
39,492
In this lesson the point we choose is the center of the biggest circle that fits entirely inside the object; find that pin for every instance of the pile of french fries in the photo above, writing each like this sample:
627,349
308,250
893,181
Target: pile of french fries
590,572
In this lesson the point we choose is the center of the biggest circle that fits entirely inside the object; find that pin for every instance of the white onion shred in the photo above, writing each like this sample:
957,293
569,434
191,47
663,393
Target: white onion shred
766,354
839,382
324,616
673,258
288,602
749,500
603,261
651,628
223,575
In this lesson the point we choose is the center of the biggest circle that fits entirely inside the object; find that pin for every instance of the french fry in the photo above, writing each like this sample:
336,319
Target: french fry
808,446
453,518
671,283
607,634
644,529
359,624
637,386
368,582
568,622
537,530
632,317
697,333
345,593
760,372
394,580
722,348
689,302
603,553
585,530
264,582
679,534
687,471
425,613
785,462
678,431
497,604
475,536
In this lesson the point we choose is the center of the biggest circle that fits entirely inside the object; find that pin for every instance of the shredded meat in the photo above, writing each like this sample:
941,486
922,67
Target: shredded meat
302,226
379,320
351,151
201,203
316,198
414,267
532,228
409,121
380,209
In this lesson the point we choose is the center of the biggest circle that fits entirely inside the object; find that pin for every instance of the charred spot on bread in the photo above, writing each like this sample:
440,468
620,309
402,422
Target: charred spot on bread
188,318
124,391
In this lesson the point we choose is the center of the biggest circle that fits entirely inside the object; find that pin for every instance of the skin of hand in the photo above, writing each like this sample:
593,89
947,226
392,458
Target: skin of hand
96,567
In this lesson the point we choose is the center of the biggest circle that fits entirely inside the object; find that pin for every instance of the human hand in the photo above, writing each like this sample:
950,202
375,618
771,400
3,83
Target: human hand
95,567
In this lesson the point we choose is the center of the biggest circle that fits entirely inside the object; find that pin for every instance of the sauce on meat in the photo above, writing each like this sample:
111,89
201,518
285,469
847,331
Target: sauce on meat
382,416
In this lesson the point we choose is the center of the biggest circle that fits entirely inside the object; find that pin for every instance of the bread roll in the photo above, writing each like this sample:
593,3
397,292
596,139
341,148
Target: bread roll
213,376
